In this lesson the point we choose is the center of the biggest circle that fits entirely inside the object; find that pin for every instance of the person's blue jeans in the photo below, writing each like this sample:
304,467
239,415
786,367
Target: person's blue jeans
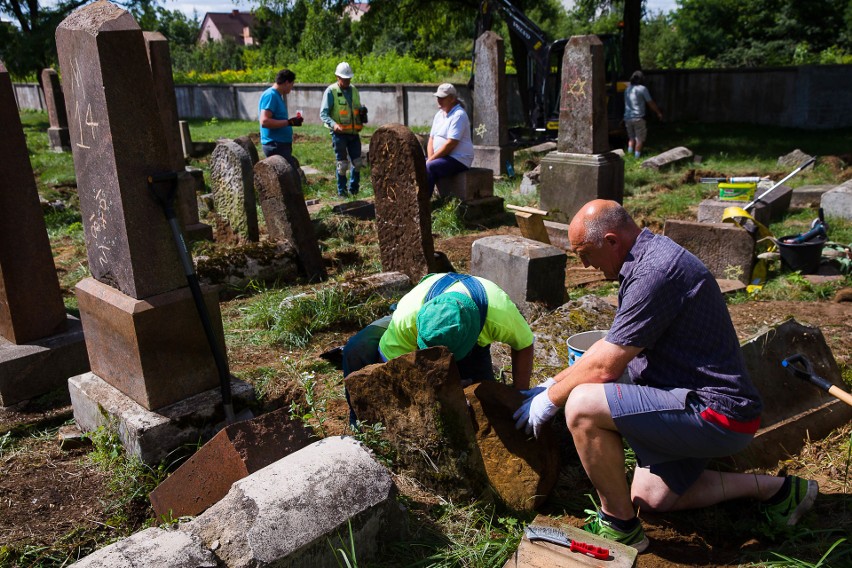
441,168
347,147
283,149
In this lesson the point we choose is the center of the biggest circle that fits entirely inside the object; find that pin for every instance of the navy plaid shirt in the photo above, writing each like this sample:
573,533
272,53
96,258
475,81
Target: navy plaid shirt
670,305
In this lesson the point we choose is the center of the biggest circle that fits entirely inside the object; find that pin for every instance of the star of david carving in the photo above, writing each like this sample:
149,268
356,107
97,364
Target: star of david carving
480,130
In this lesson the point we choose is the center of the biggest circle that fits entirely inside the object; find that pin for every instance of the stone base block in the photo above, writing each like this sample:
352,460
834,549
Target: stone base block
198,232
33,369
527,270
770,208
558,234
726,249
482,210
809,195
494,158
59,138
154,350
300,509
470,184
235,452
358,209
569,181
148,435
838,201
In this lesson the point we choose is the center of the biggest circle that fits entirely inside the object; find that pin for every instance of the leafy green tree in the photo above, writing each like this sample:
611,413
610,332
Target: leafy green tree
325,32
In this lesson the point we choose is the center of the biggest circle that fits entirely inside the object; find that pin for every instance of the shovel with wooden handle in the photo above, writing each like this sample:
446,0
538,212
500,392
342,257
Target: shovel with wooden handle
800,367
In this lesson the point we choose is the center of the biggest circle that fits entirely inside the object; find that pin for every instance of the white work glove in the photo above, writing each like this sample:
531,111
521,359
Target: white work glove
535,411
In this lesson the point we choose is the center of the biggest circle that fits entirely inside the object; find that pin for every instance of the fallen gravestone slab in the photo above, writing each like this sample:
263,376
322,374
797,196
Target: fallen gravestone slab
296,511
154,547
521,469
419,399
668,158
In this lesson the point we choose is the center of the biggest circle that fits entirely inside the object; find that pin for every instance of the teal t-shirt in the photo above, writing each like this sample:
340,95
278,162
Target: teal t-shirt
272,101
503,323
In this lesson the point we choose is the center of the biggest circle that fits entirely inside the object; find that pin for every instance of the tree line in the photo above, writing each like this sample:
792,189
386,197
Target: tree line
433,39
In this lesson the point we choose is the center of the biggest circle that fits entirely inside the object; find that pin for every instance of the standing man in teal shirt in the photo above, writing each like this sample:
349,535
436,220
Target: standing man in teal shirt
276,126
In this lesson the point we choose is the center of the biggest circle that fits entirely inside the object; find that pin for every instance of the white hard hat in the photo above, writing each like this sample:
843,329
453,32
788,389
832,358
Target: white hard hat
344,71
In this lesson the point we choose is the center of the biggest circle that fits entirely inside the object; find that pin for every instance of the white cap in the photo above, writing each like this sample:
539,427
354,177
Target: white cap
446,90
344,71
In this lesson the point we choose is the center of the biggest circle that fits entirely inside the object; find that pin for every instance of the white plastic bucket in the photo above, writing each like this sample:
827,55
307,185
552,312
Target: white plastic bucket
579,343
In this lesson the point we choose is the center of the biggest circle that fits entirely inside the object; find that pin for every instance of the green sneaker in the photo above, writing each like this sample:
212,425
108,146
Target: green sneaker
803,493
635,538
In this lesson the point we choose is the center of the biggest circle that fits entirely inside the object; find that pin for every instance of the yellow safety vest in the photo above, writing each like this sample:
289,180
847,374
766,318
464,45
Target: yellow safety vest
348,116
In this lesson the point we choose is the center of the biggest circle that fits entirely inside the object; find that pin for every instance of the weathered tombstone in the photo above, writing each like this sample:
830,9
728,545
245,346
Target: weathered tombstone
793,409
491,106
726,249
521,471
667,158
40,346
248,146
528,271
185,139
143,333
838,201
582,168
287,219
419,398
403,215
186,204
232,180
57,133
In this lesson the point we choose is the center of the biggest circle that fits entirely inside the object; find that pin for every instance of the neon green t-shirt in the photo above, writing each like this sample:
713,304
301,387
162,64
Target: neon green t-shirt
503,322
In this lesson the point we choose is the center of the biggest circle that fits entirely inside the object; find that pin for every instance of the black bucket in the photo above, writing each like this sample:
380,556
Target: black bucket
800,257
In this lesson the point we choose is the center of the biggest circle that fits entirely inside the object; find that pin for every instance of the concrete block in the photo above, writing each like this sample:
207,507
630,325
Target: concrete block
150,436
473,183
568,181
154,350
771,208
152,547
32,369
838,201
288,513
809,195
668,158
236,451
527,270
726,249
794,410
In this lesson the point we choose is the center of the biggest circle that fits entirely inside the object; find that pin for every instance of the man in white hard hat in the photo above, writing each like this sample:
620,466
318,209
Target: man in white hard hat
450,147
344,116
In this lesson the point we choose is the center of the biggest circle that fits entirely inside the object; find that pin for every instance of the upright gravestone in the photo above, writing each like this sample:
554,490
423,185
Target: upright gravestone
40,346
403,215
286,214
160,60
232,181
57,133
491,106
582,168
143,333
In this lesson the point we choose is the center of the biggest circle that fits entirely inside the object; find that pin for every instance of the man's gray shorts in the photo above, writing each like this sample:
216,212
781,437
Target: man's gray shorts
668,434
637,129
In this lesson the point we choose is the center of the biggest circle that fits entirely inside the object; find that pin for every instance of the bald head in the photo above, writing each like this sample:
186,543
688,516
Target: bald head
602,233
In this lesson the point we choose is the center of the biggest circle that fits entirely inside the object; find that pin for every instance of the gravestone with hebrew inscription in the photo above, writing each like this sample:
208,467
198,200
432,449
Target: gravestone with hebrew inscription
40,346
232,181
144,336
186,203
582,168
491,106
57,133
287,219
403,214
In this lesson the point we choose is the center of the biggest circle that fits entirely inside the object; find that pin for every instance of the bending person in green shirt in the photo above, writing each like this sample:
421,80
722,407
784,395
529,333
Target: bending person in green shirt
464,313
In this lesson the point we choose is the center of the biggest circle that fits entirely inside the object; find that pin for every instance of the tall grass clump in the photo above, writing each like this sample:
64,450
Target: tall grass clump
292,320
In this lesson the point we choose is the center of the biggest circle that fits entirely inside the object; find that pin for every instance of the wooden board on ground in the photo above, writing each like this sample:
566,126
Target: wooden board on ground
546,555
531,222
